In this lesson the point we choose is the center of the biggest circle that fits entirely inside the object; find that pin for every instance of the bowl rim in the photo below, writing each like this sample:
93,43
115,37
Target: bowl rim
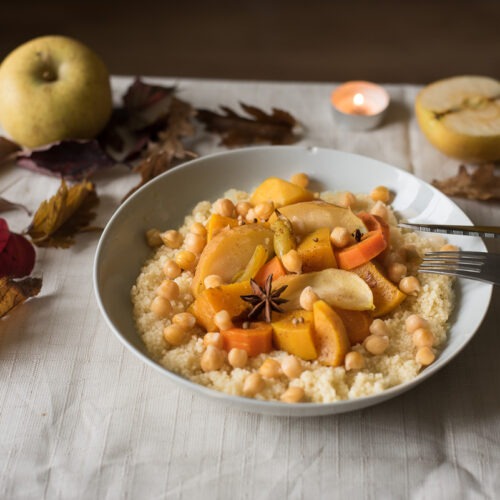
276,408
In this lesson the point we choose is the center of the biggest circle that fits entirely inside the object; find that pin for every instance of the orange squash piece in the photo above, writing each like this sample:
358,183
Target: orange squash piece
274,267
386,296
212,300
316,251
254,340
332,341
217,223
294,333
280,192
357,324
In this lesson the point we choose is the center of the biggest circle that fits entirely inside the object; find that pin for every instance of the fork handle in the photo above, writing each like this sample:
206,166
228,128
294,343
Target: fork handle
481,231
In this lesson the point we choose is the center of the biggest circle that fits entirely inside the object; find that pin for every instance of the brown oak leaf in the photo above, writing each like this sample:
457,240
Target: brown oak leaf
168,150
15,292
481,184
67,213
259,127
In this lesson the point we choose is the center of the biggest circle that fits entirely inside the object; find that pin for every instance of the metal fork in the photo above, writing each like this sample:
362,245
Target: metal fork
481,266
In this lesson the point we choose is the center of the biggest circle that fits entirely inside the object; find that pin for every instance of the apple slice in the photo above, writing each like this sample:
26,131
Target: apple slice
229,252
308,216
337,287
460,116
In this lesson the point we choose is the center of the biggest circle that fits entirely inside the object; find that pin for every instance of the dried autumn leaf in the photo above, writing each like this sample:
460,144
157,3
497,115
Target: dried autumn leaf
168,150
17,255
146,103
260,127
8,149
72,160
15,292
6,205
481,184
144,113
67,213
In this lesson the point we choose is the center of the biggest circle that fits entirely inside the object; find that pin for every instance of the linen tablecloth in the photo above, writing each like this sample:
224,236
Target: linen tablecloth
81,417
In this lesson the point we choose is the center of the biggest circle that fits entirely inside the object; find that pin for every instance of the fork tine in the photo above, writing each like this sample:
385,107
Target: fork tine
481,266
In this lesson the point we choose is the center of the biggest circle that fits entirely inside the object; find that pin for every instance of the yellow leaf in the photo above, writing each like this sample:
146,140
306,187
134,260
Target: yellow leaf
67,213
15,292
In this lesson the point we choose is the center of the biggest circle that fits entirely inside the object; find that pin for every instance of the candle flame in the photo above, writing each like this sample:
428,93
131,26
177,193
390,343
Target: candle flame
358,99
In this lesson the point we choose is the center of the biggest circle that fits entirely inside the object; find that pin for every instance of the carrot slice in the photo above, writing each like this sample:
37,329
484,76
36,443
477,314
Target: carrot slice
274,267
375,223
254,340
372,244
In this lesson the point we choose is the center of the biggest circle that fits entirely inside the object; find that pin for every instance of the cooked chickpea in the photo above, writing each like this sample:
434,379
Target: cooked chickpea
168,289
172,238
195,243
423,337
161,307
223,320
212,281
291,367
175,335
376,344
292,262
449,248
410,285
307,298
378,327
380,193
224,207
354,361
397,271
186,260
293,395
153,238
237,358
347,199
411,251
270,368
242,208
381,210
300,179
253,384
212,359
264,210
184,320
414,322
198,228
251,216
213,338
425,356
341,237
171,269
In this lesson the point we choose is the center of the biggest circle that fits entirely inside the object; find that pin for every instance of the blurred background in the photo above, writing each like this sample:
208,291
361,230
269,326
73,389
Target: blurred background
386,41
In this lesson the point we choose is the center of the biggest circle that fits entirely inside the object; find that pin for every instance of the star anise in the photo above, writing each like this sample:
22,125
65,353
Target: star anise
265,299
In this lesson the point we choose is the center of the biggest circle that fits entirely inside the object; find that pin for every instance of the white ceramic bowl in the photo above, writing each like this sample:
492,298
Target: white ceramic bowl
165,201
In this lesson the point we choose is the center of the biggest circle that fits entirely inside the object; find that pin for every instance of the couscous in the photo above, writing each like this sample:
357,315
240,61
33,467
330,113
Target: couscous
340,313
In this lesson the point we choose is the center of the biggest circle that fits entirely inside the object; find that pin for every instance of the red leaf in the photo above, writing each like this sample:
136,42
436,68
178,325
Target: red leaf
17,255
73,160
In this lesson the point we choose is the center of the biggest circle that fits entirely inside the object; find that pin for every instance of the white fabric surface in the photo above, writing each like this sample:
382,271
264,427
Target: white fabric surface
81,417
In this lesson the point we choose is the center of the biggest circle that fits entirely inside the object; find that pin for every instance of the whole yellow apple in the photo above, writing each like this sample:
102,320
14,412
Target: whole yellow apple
460,116
53,88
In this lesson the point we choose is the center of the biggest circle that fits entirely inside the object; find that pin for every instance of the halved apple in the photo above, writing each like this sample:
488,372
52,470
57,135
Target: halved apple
337,287
229,252
308,216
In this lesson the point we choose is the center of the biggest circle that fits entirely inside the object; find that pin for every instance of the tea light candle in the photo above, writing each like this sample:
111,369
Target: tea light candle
359,105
